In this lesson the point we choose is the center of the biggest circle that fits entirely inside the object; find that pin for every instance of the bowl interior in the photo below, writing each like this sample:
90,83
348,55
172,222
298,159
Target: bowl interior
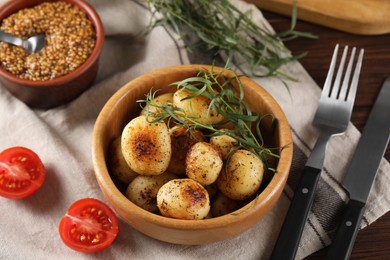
122,107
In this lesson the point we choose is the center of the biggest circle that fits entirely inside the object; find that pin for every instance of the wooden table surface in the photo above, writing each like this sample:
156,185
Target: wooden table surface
373,242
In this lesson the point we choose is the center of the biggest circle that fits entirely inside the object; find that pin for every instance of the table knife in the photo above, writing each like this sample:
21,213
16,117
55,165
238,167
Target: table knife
361,173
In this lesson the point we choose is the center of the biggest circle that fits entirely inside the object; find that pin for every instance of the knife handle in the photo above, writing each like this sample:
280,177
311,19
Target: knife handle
290,234
344,240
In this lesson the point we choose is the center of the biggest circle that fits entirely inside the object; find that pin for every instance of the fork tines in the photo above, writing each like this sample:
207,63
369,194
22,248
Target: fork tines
334,90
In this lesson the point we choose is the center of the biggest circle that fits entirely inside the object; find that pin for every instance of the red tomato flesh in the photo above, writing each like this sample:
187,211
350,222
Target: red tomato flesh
89,226
21,172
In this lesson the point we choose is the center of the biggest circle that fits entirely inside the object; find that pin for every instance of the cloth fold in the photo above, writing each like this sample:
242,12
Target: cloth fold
62,138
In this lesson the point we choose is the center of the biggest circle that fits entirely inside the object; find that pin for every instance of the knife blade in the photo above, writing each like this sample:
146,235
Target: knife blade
361,173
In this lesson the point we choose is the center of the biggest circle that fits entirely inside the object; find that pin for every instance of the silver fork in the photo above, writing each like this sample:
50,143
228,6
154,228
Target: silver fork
332,117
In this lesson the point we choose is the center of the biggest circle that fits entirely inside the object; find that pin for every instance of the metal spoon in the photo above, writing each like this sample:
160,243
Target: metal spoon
33,44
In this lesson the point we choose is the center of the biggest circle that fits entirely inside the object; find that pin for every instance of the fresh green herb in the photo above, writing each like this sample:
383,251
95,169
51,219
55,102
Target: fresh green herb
227,101
292,34
222,28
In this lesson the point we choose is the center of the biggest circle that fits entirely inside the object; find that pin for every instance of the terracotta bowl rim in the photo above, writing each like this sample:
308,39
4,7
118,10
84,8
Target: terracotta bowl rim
271,192
7,9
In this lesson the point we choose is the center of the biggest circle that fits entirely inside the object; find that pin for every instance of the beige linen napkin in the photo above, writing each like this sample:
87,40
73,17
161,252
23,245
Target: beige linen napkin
62,138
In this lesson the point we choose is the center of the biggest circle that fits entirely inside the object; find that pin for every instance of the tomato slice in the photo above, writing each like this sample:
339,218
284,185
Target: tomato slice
89,226
21,172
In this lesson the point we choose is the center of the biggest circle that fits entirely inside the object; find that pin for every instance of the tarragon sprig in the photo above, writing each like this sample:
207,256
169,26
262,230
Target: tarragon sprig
220,27
224,98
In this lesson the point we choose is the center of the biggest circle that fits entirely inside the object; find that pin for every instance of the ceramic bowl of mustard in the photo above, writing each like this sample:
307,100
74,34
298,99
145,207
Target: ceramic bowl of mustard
123,107
68,63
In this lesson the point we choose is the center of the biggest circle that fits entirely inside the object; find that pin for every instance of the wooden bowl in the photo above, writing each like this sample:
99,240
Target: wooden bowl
61,90
119,110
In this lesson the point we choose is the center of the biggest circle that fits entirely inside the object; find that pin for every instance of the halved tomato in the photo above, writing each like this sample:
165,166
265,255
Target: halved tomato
21,172
89,226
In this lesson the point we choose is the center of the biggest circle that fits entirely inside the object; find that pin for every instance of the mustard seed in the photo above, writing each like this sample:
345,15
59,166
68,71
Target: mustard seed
70,39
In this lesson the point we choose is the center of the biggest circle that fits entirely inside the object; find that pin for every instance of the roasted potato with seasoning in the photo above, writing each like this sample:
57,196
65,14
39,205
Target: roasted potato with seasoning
183,199
203,163
142,191
212,190
242,176
160,100
224,144
223,205
117,163
181,141
146,146
196,107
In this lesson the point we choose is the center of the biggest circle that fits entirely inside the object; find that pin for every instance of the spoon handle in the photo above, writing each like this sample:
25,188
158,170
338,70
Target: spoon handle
9,38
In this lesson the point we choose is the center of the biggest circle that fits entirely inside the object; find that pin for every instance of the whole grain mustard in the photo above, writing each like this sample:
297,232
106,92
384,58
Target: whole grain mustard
70,40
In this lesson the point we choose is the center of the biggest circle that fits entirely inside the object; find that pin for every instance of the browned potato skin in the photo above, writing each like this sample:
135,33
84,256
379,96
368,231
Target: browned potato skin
203,163
197,107
118,165
183,199
142,191
146,146
223,205
242,176
212,190
161,100
224,144
181,141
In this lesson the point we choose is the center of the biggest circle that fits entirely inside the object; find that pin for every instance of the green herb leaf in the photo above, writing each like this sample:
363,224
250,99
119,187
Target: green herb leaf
222,28
226,96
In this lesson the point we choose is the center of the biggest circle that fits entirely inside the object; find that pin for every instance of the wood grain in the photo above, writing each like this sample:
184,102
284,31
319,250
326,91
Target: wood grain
373,241
365,17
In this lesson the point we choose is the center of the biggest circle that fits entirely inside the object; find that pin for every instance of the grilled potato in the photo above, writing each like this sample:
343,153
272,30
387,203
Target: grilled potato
197,107
223,205
146,146
118,165
142,191
224,144
212,190
242,177
203,163
181,141
183,199
161,100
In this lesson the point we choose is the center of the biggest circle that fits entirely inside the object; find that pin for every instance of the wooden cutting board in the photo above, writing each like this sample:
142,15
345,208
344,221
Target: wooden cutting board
367,17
